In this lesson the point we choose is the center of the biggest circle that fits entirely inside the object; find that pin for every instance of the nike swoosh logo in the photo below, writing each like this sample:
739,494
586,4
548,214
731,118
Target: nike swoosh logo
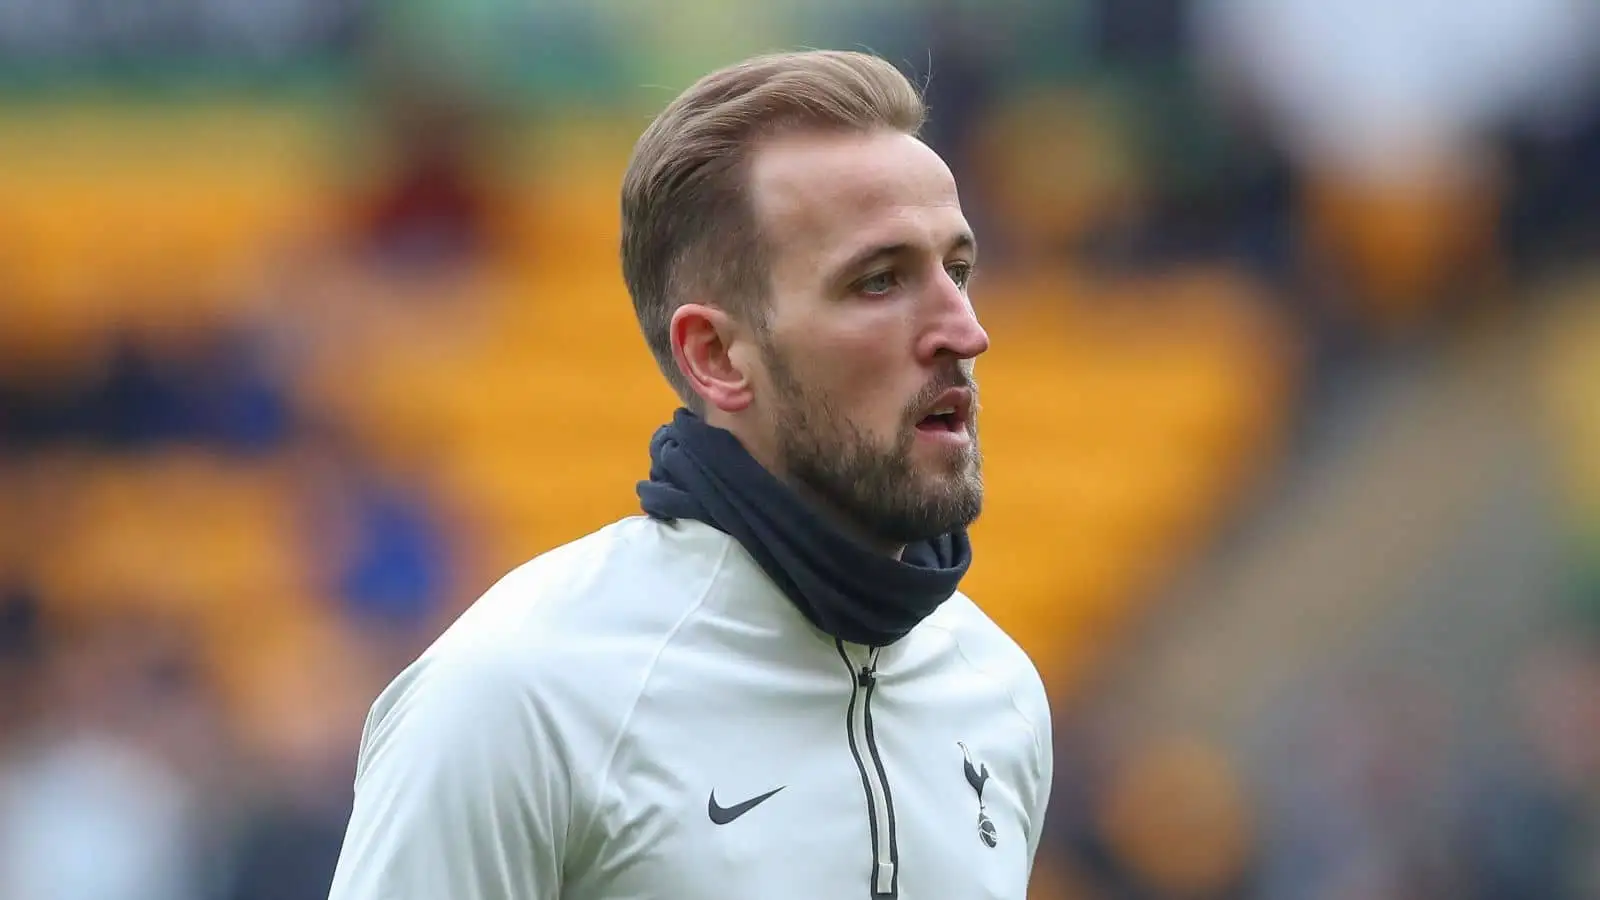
722,815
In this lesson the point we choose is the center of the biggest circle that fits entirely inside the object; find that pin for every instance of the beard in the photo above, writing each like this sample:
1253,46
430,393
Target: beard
877,487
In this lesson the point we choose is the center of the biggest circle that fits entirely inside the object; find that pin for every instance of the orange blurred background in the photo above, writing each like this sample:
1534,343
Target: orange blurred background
311,326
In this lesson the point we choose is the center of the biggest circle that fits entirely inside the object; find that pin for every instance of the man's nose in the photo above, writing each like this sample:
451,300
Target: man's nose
955,329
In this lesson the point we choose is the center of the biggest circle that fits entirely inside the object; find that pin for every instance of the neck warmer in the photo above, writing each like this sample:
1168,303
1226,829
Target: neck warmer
843,587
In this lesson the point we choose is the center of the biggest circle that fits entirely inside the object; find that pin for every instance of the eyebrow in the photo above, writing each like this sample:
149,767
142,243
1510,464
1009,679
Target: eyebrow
962,242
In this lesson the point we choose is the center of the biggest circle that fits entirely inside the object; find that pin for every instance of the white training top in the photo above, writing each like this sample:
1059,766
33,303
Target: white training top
643,714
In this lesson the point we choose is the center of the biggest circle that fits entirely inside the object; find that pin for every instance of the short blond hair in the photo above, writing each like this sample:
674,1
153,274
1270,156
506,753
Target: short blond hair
688,223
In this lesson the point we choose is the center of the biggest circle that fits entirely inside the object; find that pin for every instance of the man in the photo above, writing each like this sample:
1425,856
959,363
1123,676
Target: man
767,686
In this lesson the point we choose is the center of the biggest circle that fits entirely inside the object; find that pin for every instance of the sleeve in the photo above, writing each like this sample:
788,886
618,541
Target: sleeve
1044,737
461,790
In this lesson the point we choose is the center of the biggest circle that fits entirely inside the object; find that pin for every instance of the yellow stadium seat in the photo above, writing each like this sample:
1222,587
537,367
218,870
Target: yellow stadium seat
159,221
178,535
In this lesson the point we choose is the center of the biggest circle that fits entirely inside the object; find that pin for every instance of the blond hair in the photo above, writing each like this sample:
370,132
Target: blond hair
688,224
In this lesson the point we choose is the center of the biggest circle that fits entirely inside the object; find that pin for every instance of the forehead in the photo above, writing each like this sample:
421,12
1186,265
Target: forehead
819,196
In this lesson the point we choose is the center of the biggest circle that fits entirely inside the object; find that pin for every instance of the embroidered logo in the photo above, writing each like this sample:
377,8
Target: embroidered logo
978,776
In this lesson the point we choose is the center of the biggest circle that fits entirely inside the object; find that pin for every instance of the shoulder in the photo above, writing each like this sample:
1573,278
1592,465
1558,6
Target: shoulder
633,576
991,652
566,640
616,592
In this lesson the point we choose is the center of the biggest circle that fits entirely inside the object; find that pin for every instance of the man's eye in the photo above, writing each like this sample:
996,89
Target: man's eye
960,273
877,285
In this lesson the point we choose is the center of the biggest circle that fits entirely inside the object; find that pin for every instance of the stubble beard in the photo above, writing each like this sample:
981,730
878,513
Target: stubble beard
878,489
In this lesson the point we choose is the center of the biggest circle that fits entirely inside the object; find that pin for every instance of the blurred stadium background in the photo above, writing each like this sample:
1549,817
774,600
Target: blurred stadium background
311,326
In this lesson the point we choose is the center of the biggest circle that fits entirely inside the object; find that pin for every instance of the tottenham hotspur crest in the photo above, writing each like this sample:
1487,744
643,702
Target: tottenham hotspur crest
978,776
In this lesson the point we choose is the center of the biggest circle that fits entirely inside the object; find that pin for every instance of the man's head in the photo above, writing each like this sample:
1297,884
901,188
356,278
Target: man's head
798,261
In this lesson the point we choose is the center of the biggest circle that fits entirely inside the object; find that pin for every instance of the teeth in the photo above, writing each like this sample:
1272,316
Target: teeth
944,411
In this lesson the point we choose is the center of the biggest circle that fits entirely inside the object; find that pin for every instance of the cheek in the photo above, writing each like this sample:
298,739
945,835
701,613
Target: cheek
858,360
862,381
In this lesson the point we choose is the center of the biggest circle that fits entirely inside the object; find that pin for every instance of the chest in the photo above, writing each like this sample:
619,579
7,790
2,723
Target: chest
831,786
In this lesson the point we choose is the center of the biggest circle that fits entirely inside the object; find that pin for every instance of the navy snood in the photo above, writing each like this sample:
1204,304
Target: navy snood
846,589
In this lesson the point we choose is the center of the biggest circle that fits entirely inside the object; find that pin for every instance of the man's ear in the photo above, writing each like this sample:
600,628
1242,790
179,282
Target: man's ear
703,340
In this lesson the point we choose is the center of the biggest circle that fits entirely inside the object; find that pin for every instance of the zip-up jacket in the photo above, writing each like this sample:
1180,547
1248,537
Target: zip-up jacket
643,714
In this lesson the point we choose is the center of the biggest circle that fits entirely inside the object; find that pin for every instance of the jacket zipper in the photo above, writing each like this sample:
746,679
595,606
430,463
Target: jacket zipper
885,881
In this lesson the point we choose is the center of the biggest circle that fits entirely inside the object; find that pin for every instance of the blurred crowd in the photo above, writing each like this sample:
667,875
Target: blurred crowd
309,336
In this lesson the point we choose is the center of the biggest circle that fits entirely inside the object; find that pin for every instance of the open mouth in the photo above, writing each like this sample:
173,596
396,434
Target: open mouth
951,413
942,420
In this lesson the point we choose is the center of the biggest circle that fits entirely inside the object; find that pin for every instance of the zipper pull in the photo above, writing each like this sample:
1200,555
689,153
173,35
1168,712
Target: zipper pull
869,671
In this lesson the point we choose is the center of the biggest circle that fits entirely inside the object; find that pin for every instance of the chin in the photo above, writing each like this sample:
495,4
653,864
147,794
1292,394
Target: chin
964,480
965,463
